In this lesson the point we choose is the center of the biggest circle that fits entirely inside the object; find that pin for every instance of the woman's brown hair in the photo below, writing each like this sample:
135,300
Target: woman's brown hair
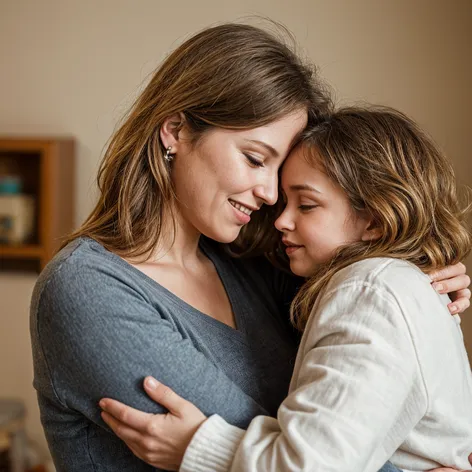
388,167
231,76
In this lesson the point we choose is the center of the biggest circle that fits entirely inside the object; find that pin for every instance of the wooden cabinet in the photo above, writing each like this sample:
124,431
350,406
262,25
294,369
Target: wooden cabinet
45,167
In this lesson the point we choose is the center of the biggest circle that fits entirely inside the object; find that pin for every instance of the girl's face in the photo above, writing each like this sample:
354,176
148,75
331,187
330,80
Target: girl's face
230,174
317,218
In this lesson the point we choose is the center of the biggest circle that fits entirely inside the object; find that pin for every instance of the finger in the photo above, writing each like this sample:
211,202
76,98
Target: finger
136,452
461,282
123,431
464,293
165,396
470,459
448,272
459,305
125,414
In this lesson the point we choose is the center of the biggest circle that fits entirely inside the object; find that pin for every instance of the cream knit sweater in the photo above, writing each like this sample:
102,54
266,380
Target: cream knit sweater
381,373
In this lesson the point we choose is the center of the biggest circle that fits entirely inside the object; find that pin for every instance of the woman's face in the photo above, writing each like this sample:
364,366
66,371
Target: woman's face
229,174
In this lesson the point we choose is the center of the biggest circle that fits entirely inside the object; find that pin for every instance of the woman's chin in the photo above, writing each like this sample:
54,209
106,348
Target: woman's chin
224,237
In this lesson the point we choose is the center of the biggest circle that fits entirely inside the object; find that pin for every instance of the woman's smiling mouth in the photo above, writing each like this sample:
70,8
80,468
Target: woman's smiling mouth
242,212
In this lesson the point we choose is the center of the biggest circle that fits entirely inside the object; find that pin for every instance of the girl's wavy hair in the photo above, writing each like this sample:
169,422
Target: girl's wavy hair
232,76
387,166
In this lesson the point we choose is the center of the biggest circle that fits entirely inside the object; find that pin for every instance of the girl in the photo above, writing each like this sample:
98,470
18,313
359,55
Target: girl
381,371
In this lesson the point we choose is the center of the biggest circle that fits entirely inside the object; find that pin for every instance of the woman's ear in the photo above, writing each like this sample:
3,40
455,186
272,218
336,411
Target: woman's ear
170,132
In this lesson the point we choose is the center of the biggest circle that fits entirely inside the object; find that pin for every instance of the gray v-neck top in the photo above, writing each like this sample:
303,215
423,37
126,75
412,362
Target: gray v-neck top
99,326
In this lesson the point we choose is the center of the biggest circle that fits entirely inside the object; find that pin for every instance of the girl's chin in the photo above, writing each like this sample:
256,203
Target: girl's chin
305,272
297,271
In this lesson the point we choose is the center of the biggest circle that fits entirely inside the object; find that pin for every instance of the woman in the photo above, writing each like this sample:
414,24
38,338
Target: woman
144,285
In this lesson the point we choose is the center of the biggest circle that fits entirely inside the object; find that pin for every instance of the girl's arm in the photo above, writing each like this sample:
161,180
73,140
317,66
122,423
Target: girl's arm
148,435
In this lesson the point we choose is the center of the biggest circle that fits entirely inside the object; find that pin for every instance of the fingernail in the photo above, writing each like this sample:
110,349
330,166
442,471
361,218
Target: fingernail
453,308
102,404
438,287
151,383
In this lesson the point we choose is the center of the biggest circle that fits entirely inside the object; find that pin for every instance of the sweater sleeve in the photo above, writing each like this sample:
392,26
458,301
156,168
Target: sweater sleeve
355,374
99,337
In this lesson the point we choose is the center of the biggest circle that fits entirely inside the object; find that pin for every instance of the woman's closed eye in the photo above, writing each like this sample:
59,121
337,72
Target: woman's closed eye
253,161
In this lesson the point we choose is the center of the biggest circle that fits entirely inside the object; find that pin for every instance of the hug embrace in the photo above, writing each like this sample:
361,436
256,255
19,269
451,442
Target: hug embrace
276,269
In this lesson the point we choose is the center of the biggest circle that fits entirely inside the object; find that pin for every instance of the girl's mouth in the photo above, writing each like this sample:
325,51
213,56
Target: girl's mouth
291,249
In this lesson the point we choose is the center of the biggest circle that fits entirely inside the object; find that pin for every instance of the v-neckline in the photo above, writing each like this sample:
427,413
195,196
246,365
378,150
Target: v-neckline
236,307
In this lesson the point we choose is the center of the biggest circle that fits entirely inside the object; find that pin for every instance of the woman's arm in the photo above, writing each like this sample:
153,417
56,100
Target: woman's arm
95,336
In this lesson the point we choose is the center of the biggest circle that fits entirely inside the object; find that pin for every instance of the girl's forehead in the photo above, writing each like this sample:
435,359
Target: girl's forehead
304,171
301,160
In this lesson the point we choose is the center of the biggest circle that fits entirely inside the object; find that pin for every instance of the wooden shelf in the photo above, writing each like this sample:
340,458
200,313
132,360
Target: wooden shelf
21,252
45,166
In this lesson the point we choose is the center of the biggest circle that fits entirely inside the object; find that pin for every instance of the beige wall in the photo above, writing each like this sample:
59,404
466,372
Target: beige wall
72,67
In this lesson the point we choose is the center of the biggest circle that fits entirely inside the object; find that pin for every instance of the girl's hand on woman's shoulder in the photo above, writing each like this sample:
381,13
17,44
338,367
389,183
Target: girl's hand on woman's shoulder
160,440
454,281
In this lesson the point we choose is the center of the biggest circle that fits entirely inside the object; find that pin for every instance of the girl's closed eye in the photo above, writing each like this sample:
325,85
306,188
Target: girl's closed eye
307,207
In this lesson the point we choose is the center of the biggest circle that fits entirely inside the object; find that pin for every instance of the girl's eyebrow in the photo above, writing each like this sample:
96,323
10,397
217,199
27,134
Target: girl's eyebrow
304,187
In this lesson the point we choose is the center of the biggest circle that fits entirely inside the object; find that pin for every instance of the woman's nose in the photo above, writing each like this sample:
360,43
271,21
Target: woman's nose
268,190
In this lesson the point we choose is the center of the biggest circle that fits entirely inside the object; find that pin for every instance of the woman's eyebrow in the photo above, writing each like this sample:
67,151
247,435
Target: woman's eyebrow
268,147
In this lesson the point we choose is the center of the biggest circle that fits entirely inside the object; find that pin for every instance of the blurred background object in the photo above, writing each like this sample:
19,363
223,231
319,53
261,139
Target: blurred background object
12,436
73,67
36,200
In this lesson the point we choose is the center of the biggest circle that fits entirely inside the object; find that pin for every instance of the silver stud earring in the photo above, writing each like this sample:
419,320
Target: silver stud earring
168,157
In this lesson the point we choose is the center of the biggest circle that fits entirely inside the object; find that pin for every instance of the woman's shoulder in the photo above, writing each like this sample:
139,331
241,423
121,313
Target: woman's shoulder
82,264
79,253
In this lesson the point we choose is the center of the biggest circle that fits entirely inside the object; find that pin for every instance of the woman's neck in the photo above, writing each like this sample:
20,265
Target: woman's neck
178,246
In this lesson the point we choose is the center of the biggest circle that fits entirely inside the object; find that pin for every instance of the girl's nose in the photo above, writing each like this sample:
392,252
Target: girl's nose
284,222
